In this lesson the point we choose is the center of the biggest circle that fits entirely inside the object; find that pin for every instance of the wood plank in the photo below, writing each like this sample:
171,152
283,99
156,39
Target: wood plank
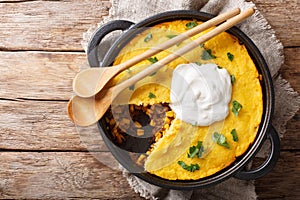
291,72
28,74
283,182
39,75
284,17
60,175
291,68
44,125
290,139
48,25
55,175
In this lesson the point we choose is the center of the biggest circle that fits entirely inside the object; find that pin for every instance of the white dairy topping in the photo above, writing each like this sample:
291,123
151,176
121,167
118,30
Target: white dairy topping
200,95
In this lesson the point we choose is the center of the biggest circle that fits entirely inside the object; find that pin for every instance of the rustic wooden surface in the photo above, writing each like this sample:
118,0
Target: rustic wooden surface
42,155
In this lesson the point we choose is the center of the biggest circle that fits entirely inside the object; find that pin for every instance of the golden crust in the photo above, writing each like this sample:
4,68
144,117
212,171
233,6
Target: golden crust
246,90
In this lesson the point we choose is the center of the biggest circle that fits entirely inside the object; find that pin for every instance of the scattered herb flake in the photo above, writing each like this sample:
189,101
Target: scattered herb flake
151,95
207,55
196,150
192,152
171,36
152,60
190,25
148,37
219,67
236,107
234,135
230,56
131,87
232,78
202,45
190,168
220,139
128,71
198,63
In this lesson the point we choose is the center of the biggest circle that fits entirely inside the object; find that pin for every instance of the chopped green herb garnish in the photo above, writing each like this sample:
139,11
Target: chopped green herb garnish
232,78
196,150
202,45
198,63
219,67
230,56
220,139
236,107
190,168
148,37
131,87
128,71
190,25
207,55
151,95
171,36
152,60
234,135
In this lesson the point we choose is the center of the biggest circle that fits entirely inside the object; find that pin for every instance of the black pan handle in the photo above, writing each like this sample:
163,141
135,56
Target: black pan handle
269,164
100,33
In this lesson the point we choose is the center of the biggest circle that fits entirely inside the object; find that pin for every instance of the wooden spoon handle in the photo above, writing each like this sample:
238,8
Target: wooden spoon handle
186,35
156,66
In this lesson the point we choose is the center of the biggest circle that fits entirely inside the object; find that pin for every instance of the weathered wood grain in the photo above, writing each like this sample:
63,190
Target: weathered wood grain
58,25
291,69
48,75
43,154
39,75
44,125
284,17
291,72
48,25
283,182
61,175
290,139
28,74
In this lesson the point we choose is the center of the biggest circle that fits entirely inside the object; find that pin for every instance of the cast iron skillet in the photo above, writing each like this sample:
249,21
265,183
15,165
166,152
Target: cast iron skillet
265,132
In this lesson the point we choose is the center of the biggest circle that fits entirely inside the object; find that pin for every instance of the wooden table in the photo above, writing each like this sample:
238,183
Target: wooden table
42,154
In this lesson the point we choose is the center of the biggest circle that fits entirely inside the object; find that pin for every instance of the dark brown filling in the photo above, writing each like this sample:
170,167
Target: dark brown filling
138,121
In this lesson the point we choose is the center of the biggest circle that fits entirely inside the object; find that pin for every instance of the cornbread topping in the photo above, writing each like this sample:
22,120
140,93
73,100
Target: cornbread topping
181,150
200,95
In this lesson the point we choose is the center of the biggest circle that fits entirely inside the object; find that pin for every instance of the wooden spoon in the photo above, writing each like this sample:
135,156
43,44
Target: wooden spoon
87,111
90,81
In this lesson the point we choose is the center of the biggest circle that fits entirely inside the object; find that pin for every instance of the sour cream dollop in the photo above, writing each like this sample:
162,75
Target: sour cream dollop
200,94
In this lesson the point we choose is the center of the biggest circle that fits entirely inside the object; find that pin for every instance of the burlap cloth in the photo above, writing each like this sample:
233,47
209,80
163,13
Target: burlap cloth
257,28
